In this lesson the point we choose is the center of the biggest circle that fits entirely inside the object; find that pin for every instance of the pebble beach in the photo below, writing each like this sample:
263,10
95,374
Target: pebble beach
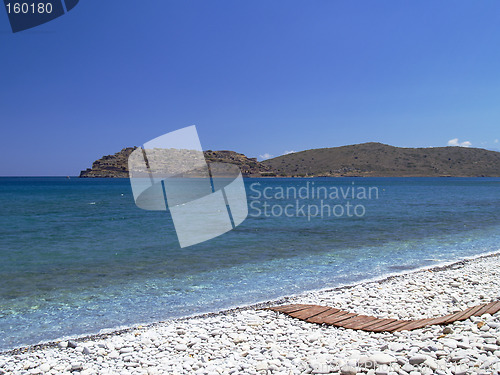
253,340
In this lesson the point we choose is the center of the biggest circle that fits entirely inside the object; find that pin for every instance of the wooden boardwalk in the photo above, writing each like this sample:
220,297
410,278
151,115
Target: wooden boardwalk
339,318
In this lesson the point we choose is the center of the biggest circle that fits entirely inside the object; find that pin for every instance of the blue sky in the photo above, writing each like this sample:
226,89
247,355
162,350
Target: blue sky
258,77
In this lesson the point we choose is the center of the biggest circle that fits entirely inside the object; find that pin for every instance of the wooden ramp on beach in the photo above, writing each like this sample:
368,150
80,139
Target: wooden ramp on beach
339,318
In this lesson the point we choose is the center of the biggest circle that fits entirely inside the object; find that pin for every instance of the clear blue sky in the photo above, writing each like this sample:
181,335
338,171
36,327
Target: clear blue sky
255,76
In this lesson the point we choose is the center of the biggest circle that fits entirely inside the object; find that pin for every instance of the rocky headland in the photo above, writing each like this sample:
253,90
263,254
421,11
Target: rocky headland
362,160
117,165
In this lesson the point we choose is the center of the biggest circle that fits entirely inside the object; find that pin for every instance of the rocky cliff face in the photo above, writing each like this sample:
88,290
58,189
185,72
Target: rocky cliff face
110,165
117,165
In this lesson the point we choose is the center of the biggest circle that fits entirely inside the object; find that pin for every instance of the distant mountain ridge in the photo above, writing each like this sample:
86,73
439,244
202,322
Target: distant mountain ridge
363,160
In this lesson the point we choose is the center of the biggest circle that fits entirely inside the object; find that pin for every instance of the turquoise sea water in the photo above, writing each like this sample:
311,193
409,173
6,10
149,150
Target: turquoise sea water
78,256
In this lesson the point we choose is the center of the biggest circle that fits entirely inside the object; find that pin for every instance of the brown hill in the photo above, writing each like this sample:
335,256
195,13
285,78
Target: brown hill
117,165
367,159
377,159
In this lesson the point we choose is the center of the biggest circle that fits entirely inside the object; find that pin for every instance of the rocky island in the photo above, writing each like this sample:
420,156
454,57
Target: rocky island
361,160
117,165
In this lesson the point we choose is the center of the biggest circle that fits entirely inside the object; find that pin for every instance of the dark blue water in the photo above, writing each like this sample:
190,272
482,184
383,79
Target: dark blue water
78,256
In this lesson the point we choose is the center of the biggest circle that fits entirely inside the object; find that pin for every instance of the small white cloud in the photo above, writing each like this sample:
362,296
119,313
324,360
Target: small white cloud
455,142
288,152
496,140
266,156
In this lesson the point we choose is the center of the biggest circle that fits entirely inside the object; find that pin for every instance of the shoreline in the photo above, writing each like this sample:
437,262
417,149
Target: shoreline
254,341
117,331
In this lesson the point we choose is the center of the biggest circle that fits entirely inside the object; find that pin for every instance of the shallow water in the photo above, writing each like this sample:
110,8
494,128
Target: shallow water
79,256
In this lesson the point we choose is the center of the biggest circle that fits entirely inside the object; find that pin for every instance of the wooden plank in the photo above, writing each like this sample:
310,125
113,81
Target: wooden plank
424,323
440,320
387,327
471,312
485,308
319,317
347,321
480,311
379,323
340,318
494,309
352,320
405,327
416,324
336,314
309,313
463,314
297,314
356,321
397,325
453,317
363,323
370,323
332,321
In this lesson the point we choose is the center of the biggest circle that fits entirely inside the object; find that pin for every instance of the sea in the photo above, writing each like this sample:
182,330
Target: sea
77,256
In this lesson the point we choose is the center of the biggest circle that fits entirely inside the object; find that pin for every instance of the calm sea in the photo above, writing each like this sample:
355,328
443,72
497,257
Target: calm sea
78,256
